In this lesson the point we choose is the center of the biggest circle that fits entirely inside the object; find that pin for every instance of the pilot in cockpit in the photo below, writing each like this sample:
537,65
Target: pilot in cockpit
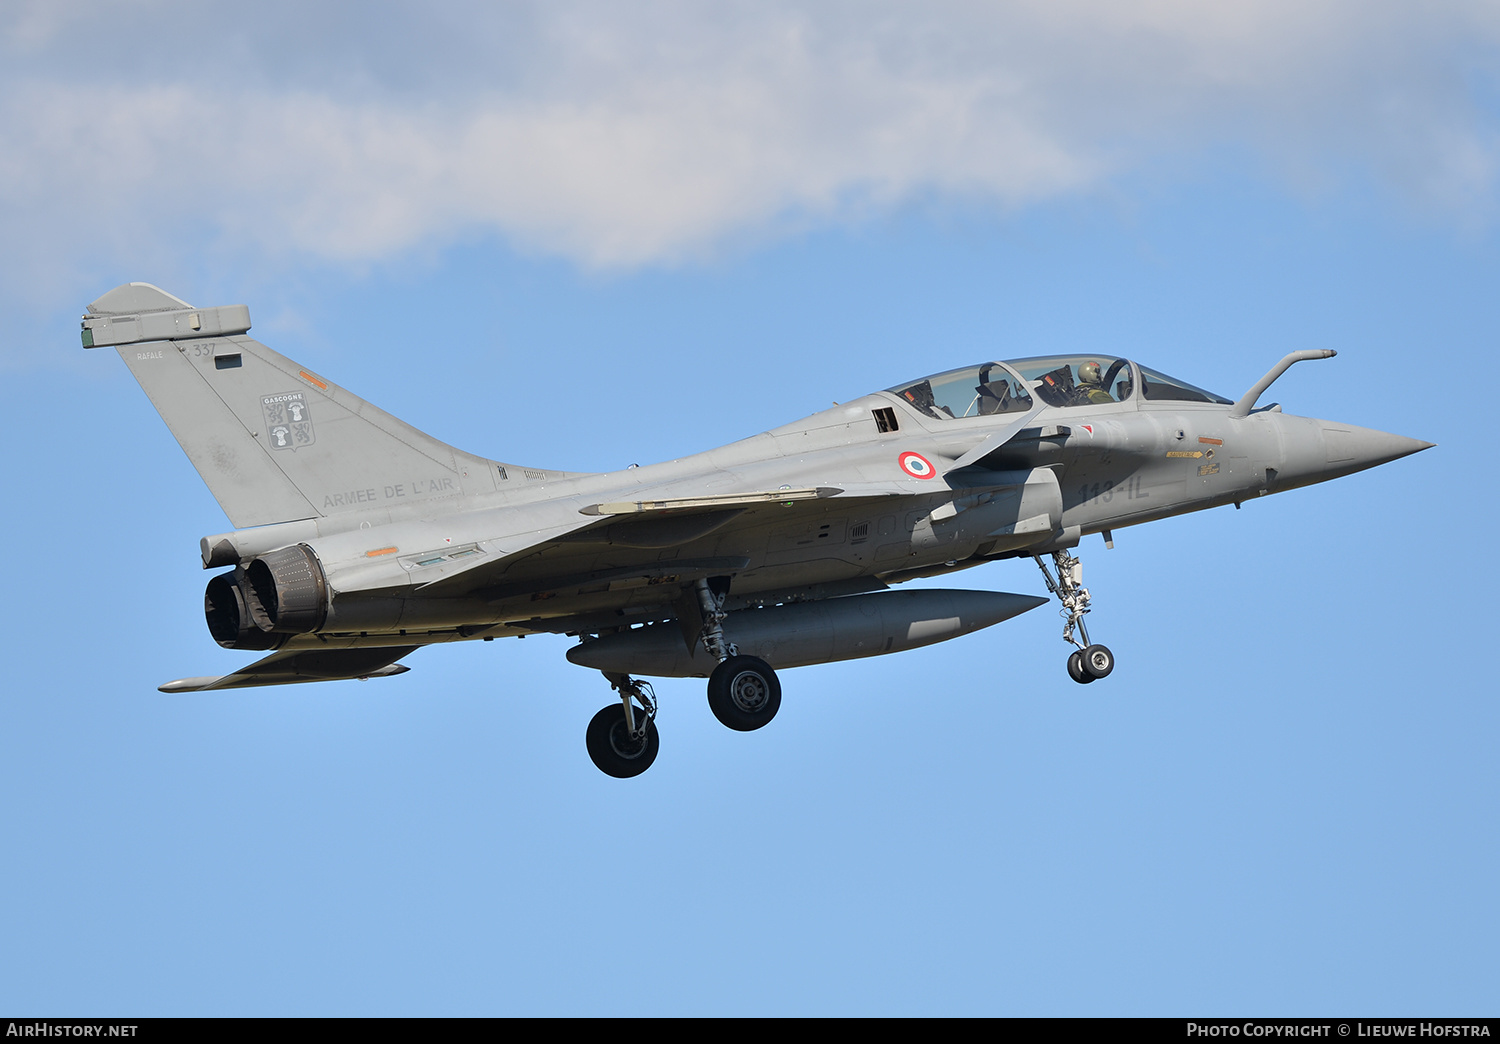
1090,390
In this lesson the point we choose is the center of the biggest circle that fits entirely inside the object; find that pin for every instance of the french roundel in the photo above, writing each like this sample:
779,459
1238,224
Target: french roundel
917,466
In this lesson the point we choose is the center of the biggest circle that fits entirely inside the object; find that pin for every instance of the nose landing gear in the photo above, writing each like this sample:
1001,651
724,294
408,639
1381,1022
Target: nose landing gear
1088,663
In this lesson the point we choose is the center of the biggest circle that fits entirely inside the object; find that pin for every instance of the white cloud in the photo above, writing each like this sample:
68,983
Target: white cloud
620,135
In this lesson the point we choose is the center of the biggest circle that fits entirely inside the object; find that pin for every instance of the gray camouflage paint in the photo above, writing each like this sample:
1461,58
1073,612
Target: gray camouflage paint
422,543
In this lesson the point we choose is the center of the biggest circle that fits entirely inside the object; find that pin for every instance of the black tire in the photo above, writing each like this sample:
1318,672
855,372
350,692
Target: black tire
744,693
611,747
1075,668
1098,661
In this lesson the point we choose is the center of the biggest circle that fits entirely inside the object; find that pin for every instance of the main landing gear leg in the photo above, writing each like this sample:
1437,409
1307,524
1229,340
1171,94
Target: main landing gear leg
1087,662
711,605
743,691
622,739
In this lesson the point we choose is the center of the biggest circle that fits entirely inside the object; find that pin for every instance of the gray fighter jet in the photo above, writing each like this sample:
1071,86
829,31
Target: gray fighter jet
359,539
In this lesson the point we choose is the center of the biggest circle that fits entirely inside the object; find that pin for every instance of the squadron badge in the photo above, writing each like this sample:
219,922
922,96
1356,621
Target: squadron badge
288,421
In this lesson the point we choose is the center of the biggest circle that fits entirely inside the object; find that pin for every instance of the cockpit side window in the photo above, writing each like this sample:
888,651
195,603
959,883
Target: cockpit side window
1158,387
974,391
1082,380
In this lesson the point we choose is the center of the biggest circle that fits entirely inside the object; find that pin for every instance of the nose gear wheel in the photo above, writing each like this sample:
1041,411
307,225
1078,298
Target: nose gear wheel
1075,668
1098,661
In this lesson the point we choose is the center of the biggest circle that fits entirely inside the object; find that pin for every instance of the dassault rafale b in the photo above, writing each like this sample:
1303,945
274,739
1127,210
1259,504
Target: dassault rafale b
359,539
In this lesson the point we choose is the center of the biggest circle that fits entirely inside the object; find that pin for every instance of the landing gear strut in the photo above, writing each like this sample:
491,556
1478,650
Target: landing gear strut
622,739
1088,662
743,691
711,605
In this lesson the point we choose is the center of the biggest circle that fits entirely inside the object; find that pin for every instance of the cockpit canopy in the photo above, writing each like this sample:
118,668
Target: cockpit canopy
974,391
1062,381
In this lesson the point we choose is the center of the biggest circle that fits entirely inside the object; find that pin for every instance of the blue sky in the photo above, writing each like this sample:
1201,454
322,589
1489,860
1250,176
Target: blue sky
564,237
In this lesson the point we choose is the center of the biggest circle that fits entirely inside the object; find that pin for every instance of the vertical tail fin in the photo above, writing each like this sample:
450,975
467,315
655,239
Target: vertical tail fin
273,441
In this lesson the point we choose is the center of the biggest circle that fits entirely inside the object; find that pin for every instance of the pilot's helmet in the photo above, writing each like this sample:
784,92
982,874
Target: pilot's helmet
1088,373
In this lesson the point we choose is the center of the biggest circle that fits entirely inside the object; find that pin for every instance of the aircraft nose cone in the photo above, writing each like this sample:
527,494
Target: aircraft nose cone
1348,448
1319,450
